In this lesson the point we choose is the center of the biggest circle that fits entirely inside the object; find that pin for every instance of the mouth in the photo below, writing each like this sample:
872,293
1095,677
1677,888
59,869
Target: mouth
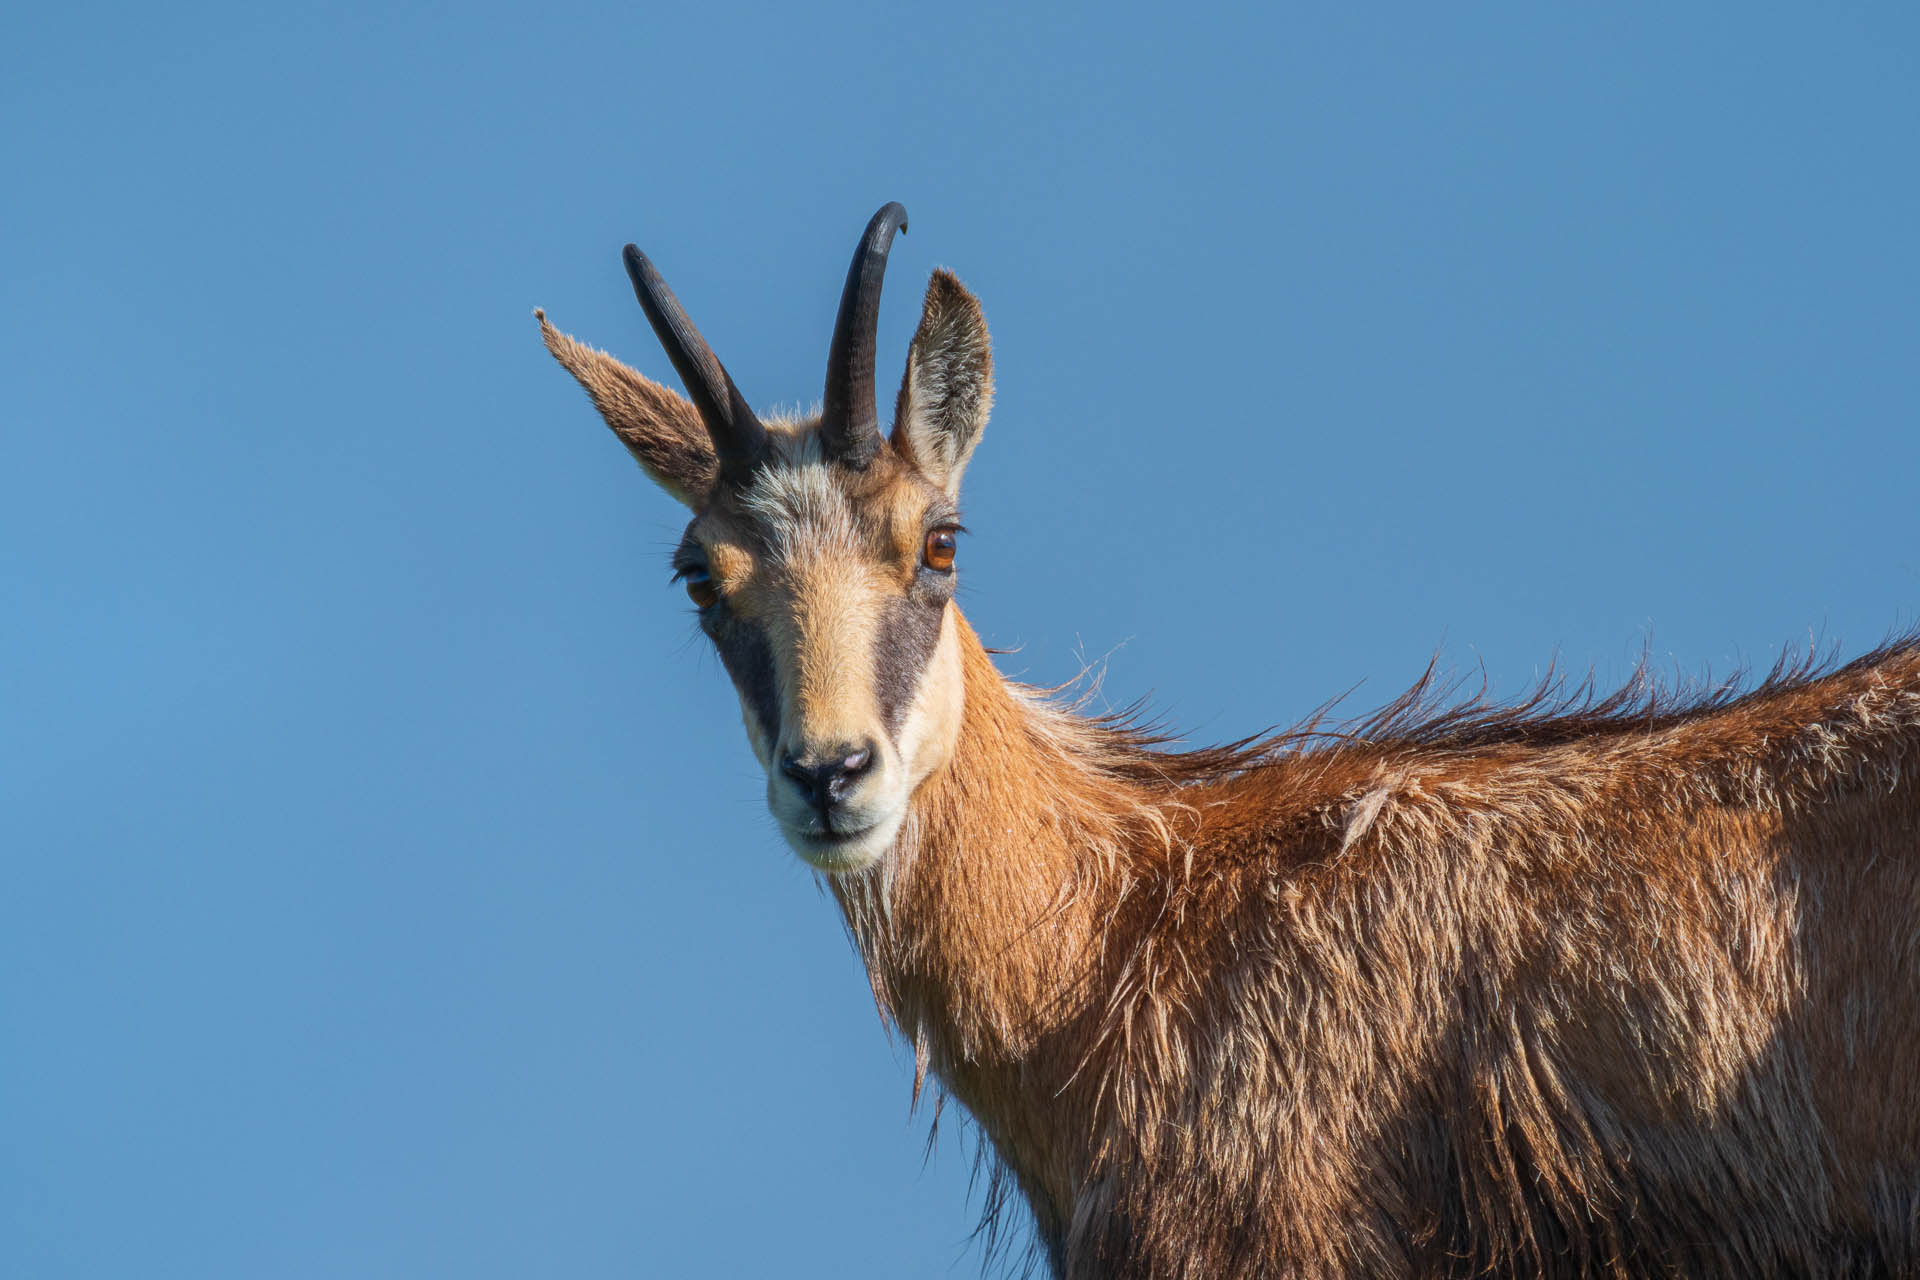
831,850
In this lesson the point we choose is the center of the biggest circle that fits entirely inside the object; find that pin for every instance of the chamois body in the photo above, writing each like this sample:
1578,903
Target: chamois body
1629,994
1620,987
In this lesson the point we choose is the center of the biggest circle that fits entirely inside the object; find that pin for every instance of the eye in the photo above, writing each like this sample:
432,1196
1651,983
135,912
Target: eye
700,588
939,549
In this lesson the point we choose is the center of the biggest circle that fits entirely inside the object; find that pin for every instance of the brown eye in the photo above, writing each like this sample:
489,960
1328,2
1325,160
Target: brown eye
700,588
939,550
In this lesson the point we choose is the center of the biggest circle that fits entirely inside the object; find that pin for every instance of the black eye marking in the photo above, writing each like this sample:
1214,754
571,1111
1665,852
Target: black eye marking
748,658
910,626
909,633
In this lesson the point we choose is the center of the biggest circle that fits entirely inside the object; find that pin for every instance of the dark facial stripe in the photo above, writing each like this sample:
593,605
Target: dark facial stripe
749,660
909,633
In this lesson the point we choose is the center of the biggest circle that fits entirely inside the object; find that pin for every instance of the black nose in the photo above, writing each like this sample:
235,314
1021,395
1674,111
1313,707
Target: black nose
824,784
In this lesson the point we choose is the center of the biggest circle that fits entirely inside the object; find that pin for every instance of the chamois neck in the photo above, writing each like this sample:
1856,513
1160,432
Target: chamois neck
981,932
986,931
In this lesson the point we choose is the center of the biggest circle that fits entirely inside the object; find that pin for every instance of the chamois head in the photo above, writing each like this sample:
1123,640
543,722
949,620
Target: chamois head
820,554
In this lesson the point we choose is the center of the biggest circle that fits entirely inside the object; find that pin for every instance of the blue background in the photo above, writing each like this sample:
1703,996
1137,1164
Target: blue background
385,885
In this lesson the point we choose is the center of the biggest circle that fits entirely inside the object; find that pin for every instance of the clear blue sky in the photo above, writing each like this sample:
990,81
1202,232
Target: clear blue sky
385,886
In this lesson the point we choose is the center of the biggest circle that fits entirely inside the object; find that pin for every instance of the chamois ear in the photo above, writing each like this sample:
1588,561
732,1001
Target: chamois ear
948,390
660,427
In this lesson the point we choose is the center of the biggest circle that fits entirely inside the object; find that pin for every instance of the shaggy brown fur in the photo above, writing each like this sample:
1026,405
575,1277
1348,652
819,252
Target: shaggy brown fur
1621,989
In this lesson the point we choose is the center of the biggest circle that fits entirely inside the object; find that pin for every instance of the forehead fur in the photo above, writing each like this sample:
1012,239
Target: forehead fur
800,503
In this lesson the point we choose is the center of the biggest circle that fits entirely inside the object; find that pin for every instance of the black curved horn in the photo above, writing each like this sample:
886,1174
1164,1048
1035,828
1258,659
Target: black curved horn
849,421
738,437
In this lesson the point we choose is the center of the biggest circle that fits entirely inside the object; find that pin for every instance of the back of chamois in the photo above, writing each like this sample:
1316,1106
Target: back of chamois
1615,987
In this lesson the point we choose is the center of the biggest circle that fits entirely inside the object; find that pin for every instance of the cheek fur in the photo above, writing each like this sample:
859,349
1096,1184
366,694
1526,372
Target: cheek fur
910,631
748,658
930,722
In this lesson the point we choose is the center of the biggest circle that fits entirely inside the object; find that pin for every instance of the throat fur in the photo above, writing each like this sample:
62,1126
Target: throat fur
987,933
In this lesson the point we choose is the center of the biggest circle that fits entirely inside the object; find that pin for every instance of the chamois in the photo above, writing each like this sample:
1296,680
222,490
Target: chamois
1622,986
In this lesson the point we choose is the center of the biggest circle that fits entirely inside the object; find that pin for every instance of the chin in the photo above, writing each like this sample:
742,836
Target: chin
841,854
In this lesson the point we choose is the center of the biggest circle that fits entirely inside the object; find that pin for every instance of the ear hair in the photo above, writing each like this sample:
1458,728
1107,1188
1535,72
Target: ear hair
948,389
660,427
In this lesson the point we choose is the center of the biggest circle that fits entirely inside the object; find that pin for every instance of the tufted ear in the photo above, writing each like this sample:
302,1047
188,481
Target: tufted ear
948,390
660,428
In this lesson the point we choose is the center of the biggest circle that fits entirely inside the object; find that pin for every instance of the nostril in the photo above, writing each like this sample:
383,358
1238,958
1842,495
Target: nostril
845,772
824,784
